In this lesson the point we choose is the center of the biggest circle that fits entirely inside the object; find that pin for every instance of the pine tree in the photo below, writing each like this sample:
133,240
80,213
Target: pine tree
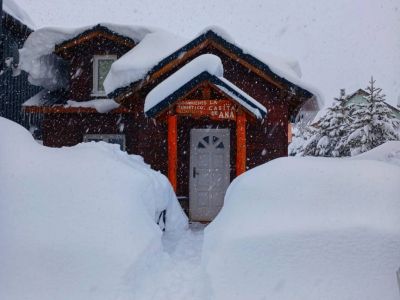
301,134
372,123
329,131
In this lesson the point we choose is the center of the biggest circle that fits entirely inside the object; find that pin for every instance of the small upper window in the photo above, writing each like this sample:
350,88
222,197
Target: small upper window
101,67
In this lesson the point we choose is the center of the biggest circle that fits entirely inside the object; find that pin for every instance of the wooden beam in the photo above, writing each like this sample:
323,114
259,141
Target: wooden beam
206,92
60,109
240,143
247,65
289,133
91,35
172,149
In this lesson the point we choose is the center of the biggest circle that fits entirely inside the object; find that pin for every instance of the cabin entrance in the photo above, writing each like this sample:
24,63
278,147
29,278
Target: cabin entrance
209,172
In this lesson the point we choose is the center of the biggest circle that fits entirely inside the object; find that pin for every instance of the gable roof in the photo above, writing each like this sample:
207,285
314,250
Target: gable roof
358,92
13,10
179,56
227,88
95,31
364,94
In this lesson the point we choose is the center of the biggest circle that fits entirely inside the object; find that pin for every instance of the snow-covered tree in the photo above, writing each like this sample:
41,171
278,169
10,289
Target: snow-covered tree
372,123
300,136
329,131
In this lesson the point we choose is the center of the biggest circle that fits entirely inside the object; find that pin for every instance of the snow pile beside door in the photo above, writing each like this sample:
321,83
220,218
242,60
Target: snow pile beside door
308,228
74,222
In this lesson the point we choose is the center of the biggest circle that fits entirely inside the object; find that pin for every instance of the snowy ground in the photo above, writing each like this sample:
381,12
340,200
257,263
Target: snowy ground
335,229
177,273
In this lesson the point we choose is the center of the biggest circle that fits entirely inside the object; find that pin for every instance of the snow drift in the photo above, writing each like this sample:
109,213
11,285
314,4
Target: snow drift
75,222
308,228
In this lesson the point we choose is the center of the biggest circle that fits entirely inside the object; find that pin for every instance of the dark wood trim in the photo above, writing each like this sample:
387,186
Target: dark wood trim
240,143
68,110
172,149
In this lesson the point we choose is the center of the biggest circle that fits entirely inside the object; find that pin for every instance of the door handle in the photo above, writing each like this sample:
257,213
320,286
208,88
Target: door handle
194,172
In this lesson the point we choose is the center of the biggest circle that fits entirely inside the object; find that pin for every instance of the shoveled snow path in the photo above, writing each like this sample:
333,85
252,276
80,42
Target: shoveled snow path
177,274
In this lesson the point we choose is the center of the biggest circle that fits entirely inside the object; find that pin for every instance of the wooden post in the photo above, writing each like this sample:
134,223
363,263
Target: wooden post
172,149
289,132
240,143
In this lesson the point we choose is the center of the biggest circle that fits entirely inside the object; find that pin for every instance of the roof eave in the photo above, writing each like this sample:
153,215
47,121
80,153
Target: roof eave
210,34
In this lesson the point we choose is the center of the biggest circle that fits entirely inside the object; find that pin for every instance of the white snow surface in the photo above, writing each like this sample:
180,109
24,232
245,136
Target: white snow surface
323,36
77,222
136,63
153,46
16,11
38,48
36,99
259,106
308,228
101,105
204,63
387,152
177,273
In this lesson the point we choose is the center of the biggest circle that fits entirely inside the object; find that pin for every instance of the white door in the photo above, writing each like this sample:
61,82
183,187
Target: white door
209,172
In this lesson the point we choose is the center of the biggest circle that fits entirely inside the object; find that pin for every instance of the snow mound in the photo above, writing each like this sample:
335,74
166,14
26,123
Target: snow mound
387,152
75,222
308,228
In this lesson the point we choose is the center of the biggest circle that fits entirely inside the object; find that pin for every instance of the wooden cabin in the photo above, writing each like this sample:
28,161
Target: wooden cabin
201,132
15,88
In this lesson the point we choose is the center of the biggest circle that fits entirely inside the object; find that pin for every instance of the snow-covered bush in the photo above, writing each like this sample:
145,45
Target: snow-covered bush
75,222
309,228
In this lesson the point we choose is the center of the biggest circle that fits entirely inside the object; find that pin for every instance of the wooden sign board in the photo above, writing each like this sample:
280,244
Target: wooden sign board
215,109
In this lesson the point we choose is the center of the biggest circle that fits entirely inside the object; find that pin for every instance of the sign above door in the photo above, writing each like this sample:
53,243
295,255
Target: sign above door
214,109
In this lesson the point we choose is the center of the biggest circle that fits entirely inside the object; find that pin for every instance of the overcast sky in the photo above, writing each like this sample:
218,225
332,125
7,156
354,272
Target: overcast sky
339,44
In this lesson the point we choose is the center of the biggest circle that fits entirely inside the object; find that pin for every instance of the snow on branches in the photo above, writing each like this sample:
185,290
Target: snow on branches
349,129
373,123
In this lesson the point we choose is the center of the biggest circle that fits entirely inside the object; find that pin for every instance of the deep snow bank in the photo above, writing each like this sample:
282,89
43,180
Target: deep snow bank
387,152
308,228
75,221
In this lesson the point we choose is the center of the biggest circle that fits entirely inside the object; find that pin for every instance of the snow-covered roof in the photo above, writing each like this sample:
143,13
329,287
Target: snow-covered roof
204,67
154,48
136,63
14,10
44,98
40,45
128,71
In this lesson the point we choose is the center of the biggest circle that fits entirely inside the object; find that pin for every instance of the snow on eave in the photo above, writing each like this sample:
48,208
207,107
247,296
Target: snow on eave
14,10
242,98
204,63
134,65
288,74
35,100
100,105
41,44
204,67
